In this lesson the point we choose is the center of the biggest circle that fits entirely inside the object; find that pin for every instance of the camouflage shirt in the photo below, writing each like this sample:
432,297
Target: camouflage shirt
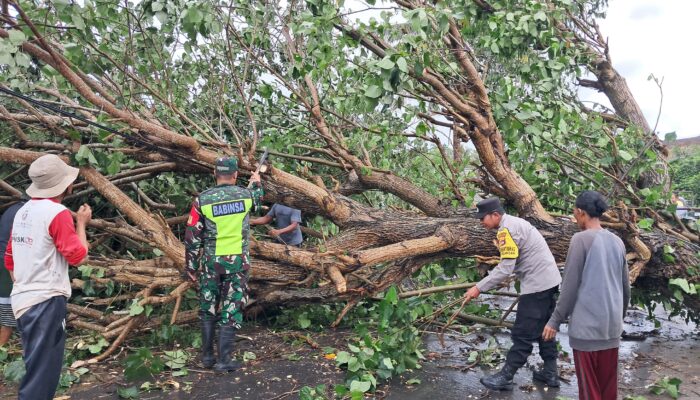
218,226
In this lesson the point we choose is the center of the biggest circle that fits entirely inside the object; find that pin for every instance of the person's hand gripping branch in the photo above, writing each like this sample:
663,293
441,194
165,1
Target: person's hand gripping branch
472,293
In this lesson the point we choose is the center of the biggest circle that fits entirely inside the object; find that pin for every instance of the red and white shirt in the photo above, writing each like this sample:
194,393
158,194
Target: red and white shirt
42,244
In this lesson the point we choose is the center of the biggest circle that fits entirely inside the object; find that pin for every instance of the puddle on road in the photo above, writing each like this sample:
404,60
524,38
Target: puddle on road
646,355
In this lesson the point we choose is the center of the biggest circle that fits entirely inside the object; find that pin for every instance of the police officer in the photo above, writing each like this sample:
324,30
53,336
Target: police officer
216,243
524,253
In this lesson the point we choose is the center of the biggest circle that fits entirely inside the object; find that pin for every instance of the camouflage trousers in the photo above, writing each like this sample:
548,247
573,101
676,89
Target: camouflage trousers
223,289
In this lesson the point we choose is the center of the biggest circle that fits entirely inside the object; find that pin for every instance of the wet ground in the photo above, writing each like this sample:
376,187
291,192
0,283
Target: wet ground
673,351
285,362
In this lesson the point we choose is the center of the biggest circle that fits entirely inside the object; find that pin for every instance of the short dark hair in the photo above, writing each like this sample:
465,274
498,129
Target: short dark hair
592,202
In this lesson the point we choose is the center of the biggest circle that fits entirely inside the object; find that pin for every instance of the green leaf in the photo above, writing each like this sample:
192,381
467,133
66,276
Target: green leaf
306,393
67,380
16,37
418,68
656,390
22,60
391,295
342,358
386,361
625,155
386,84
265,91
248,356
386,63
402,64
194,16
646,224
373,92
84,154
304,321
675,381
354,364
97,347
672,391
683,284
413,381
341,390
176,359
135,309
14,371
78,21
524,115
6,58
421,129
161,17
142,364
86,271
131,392
359,386
114,166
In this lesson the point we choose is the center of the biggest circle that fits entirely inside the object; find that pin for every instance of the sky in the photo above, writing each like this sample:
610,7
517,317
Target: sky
659,37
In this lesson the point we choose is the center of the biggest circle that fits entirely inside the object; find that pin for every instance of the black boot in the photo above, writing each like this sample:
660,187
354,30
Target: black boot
503,380
226,337
548,374
208,325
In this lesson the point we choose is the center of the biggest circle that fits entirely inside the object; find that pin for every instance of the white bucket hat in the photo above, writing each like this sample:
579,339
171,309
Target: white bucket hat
50,177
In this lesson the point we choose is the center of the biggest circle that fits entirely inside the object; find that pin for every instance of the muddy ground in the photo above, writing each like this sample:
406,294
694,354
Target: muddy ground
285,362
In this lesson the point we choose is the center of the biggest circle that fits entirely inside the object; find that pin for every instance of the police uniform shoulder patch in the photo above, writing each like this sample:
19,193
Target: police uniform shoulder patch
194,217
506,244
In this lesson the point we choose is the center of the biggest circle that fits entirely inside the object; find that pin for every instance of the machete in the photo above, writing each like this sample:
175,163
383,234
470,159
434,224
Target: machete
261,165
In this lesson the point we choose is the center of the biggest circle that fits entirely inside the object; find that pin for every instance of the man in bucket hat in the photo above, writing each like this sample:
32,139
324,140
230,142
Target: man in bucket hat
216,254
42,244
525,254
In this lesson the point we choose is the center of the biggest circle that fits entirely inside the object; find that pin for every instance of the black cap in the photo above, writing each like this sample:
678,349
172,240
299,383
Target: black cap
487,206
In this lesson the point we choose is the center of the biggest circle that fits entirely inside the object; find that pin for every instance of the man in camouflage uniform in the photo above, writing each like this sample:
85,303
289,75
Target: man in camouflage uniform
216,243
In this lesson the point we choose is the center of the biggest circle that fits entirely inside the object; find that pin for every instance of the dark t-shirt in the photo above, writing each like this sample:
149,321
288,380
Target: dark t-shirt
5,227
284,216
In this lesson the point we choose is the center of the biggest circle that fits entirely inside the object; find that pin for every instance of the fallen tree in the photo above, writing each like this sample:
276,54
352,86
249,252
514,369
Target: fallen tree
383,133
